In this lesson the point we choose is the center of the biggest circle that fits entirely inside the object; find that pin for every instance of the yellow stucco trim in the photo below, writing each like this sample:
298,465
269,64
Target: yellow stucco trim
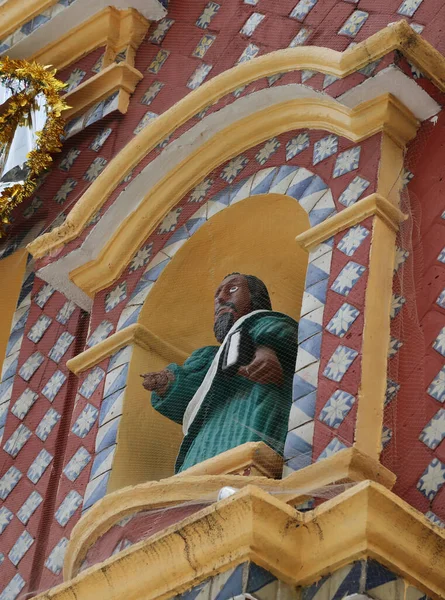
114,29
396,37
346,466
15,13
298,548
120,77
384,113
374,204
256,455
133,334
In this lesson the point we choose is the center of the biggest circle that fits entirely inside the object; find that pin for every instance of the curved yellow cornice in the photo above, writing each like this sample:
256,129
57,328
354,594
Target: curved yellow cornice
399,36
383,114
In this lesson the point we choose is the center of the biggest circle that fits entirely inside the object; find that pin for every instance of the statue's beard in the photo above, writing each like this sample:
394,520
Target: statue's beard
223,324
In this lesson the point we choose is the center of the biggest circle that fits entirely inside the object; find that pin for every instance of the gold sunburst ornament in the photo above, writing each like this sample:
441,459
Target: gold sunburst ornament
27,88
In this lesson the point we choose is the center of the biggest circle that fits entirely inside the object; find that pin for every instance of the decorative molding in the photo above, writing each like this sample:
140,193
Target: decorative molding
346,466
15,13
114,29
381,114
372,205
120,77
252,525
252,455
135,334
396,37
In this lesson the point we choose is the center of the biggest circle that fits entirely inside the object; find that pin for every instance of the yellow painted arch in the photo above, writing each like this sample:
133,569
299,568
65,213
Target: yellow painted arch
383,114
340,64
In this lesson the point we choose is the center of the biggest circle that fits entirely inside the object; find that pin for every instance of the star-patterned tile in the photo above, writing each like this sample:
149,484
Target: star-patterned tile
146,119
353,191
301,37
400,257
152,92
74,79
91,382
297,145
434,432
17,440
115,296
85,421
268,150
203,45
39,465
101,332
397,303
43,295
325,148
200,191
339,363
347,278
158,62
141,258
29,507
436,389
441,299
77,463
248,53
353,239
21,547
432,479
54,562
47,424
95,169
68,507
233,168
354,23
69,159
53,385
100,139
8,482
160,31
302,9
65,189
336,408
24,403
394,346
207,15
439,342
251,24
347,161
170,220
343,319
14,587
392,387
61,346
6,517
199,76
333,447
409,7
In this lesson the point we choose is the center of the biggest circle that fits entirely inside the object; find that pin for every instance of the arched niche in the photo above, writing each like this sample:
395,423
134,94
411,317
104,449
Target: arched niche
256,236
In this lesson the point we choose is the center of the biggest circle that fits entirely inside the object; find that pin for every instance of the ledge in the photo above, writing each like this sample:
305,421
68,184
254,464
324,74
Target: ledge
347,466
114,29
372,205
252,525
134,334
120,77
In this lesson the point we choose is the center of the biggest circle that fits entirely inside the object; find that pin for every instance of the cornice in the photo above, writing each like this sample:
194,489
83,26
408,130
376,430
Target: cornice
355,124
346,466
298,548
135,334
372,205
399,36
114,29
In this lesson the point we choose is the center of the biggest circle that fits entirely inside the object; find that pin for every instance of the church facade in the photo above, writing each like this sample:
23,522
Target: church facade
297,140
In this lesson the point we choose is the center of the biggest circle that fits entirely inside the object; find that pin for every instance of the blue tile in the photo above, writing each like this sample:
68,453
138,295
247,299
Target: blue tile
377,574
234,585
258,578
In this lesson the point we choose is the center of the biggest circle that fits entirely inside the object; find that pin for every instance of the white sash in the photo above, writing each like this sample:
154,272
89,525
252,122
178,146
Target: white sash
195,403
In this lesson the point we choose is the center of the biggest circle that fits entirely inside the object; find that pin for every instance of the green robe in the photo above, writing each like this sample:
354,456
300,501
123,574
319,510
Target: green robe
235,410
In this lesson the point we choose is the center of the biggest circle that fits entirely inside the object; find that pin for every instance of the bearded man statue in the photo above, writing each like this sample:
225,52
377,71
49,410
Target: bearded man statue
240,391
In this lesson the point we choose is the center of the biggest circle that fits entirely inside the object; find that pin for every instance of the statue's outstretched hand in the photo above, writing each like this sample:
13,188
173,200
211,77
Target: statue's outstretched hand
157,382
264,368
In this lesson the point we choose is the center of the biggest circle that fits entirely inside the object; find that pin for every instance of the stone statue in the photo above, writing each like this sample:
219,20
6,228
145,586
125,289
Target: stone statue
240,391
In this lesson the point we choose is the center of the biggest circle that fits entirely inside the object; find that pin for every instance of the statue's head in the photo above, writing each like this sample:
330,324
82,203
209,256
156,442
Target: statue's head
237,296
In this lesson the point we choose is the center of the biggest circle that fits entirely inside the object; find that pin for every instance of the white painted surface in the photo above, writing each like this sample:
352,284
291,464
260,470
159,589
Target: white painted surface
57,273
74,15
